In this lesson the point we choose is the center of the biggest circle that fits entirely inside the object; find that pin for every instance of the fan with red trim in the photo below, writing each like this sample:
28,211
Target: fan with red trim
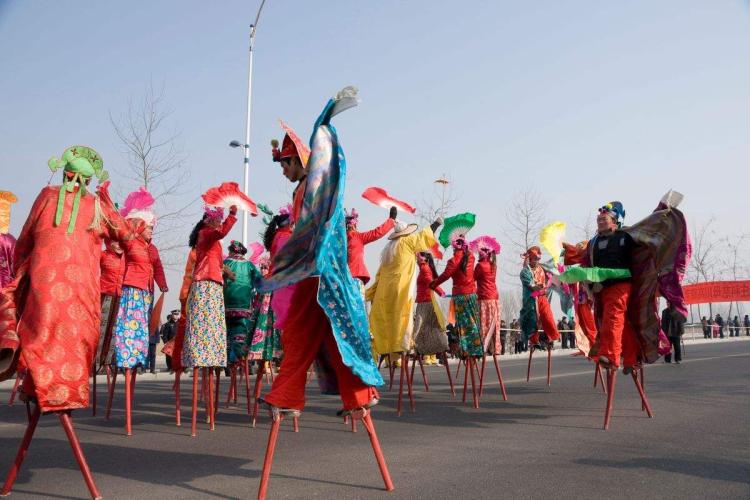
381,198
229,194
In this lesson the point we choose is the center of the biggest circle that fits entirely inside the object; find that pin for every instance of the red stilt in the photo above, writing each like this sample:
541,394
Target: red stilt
211,399
598,374
466,378
258,386
528,370
400,387
247,384
67,424
499,377
367,421
272,369
194,422
268,461
354,425
15,389
424,376
409,380
295,423
128,400
204,383
380,361
471,367
642,393
549,367
206,391
93,394
111,395
215,403
177,412
448,371
643,386
458,369
391,369
13,472
481,376
611,379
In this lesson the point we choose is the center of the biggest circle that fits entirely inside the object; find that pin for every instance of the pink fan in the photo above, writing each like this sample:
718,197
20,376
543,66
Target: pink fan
485,243
137,200
255,249
381,198
229,194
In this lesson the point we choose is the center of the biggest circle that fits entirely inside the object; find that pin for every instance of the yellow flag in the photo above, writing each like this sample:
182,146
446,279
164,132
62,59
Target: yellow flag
551,238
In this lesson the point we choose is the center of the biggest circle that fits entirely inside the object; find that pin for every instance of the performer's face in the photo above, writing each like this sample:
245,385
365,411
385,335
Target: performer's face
214,222
148,233
115,247
605,223
292,168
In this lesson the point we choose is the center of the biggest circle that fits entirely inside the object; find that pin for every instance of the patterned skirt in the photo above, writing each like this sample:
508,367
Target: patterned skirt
266,339
131,328
206,332
489,312
428,336
467,324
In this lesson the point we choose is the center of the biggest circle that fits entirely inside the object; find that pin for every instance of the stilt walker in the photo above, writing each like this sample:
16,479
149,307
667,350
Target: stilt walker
205,344
460,269
134,312
328,320
51,310
485,274
536,311
627,265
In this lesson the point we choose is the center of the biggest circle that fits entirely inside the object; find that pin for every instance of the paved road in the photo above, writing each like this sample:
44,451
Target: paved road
542,443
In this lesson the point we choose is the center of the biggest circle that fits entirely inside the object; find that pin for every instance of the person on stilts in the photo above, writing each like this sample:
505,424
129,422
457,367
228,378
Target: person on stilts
328,320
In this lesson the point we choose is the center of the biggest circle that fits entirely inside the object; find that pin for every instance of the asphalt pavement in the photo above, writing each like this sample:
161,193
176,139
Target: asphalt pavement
542,443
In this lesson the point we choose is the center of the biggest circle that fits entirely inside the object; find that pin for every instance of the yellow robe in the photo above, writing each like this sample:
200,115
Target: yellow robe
392,294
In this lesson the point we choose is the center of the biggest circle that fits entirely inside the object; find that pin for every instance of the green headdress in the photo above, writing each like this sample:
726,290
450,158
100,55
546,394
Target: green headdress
79,164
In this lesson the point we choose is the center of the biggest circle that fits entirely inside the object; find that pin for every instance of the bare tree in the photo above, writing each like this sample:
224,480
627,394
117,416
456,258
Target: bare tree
524,218
438,203
703,263
156,162
586,227
511,304
731,261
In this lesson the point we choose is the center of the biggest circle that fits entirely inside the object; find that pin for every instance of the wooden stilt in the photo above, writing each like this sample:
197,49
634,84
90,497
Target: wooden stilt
642,393
295,423
268,461
471,367
528,369
22,450
178,417
611,379
643,386
409,381
466,377
93,394
194,418
402,373
424,375
549,367
448,372
215,404
247,385
258,386
370,426
499,377
211,413
128,400
67,424
111,395
391,369
14,391
481,376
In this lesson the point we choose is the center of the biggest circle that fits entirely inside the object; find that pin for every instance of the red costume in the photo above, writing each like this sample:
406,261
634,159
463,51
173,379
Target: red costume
209,263
112,266
424,279
355,246
463,280
485,276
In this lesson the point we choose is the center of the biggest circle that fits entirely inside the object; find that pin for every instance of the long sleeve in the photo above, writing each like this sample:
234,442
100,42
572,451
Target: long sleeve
450,269
212,235
527,278
159,277
375,234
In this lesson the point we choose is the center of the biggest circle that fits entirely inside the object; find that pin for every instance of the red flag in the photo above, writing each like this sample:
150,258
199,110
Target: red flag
381,198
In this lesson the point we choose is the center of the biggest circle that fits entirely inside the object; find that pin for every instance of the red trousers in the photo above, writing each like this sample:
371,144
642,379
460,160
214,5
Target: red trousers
586,321
616,335
546,318
306,330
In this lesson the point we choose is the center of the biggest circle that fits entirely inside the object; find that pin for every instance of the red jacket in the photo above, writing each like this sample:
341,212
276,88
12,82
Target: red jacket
142,265
424,278
485,277
463,281
112,266
208,259
355,246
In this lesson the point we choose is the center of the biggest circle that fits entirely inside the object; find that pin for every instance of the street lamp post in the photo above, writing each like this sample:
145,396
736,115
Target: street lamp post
444,182
246,145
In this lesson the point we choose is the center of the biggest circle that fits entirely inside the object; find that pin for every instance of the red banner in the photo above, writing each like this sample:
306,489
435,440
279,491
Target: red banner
717,291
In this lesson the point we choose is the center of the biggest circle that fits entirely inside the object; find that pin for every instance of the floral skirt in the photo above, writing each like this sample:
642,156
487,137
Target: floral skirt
467,324
205,342
489,312
266,339
131,328
429,338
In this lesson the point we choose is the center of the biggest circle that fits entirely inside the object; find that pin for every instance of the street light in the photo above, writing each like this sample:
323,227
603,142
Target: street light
246,145
445,183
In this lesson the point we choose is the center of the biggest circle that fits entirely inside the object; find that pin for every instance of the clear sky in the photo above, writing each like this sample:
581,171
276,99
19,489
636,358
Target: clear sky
587,101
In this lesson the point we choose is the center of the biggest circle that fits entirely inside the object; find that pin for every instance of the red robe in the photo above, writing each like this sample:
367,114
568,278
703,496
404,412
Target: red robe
355,245
56,296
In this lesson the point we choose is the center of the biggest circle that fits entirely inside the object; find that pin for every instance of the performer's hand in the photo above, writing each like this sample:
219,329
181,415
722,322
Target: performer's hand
433,284
164,290
103,191
233,210
440,292
438,222
394,213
